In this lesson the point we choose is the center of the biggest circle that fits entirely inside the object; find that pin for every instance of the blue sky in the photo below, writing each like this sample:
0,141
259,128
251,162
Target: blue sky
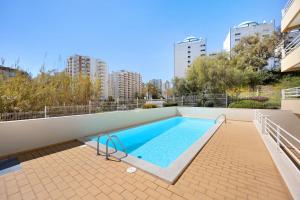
136,35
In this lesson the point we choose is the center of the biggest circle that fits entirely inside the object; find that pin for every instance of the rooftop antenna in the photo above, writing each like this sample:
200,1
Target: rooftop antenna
59,62
44,63
16,64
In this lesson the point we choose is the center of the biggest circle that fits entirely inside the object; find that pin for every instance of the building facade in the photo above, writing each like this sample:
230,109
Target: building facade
157,83
245,29
125,85
88,66
290,61
8,72
166,86
186,52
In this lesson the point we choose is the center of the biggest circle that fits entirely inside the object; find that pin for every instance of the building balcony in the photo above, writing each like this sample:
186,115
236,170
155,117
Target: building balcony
291,100
290,15
290,56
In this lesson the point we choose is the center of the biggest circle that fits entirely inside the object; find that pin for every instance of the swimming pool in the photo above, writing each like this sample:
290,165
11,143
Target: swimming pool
161,142
163,148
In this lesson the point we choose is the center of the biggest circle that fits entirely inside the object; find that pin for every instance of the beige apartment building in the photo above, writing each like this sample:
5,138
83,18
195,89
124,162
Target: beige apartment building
125,85
291,53
88,66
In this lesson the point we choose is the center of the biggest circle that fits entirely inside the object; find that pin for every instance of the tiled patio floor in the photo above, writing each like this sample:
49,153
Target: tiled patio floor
233,165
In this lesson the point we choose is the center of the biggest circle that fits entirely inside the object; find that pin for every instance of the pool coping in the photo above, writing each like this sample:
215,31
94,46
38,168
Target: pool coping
171,173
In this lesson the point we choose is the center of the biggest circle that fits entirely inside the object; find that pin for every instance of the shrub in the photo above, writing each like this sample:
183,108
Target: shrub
209,104
253,104
170,104
246,104
259,98
199,104
272,106
149,105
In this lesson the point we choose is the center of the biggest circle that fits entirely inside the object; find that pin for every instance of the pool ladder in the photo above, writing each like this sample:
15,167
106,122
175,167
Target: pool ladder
221,115
110,138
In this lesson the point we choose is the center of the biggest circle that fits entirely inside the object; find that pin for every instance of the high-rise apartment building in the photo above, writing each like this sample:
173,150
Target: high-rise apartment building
125,85
247,28
165,87
157,83
186,52
88,66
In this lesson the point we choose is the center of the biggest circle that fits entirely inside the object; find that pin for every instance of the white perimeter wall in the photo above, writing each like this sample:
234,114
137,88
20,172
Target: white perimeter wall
23,135
291,104
212,113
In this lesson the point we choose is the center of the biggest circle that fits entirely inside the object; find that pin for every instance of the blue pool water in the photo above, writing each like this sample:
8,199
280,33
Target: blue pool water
161,142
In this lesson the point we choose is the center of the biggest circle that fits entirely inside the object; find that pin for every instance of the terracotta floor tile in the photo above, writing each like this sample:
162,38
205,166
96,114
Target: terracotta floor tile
234,164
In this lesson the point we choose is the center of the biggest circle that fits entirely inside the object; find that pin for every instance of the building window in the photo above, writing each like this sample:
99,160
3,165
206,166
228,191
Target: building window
189,47
189,51
189,56
202,45
237,34
202,50
237,39
189,61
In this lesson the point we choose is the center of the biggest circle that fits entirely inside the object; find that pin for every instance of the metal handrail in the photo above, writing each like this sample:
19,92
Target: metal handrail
291,93
286,7
280,136
98,144
292,45
110,138
221,116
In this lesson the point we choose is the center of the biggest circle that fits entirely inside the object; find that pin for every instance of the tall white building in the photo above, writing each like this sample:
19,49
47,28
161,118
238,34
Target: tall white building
125,85
186,52
88,66
247,28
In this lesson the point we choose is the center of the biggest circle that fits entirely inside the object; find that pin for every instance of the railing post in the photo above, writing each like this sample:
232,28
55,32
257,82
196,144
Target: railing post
182,100
278,137
137,102
265,125
282,94
90,106
45,111
226,99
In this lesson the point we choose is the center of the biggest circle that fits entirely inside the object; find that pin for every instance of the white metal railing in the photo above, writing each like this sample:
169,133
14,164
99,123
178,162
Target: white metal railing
221,115
286,7
284,140
291,46
290,93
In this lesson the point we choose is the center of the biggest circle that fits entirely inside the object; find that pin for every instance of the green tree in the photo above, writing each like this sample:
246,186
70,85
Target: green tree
180,87
254,51
210,74
152,91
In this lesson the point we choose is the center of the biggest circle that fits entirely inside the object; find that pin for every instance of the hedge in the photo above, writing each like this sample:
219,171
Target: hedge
253,104
149,105
170,104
